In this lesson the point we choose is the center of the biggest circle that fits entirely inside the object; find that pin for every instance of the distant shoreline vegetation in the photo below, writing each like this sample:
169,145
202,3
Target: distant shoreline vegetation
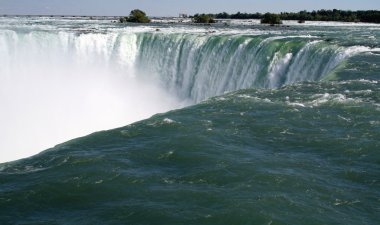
368,16
203,18
135,16
270,18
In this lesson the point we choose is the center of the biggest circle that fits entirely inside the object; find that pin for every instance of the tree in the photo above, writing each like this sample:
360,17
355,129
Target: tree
271,19
136,16
203,18
372,16
223,15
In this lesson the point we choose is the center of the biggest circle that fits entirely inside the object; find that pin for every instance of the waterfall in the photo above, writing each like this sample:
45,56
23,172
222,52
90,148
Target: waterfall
61,84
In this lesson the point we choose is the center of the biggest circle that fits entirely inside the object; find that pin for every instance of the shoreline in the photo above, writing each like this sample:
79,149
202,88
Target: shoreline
180,20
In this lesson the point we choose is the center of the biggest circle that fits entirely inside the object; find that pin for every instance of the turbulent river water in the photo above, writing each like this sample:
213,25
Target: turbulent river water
268,125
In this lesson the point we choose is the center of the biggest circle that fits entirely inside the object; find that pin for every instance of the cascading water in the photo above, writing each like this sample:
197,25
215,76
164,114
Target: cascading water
201,66
57,85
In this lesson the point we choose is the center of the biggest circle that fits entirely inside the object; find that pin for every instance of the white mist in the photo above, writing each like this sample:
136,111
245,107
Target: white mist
56,87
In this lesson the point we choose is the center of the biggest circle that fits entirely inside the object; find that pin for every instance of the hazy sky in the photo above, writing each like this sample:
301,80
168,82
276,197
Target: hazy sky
173,7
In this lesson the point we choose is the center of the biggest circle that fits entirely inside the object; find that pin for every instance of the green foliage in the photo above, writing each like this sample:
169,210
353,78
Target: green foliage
136,16
272,19
369,16
203,18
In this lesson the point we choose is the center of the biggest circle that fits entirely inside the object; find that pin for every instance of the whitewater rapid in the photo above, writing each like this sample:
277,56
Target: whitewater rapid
61,79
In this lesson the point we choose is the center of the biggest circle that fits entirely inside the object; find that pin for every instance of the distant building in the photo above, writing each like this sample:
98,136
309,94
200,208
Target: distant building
183,15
